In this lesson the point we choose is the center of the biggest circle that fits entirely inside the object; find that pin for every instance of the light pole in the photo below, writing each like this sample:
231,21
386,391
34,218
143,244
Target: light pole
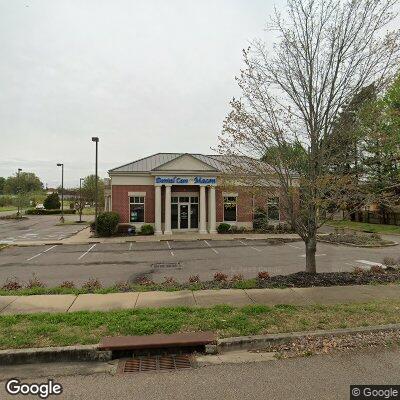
62,191
80,199
96,140
18,193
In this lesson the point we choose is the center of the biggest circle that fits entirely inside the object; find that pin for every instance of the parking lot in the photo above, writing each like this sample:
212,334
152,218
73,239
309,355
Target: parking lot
112,263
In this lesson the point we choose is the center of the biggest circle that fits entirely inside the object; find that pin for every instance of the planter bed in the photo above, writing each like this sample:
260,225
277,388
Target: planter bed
357,240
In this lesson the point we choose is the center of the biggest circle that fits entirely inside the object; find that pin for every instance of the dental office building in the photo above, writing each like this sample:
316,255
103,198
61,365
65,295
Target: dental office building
178,192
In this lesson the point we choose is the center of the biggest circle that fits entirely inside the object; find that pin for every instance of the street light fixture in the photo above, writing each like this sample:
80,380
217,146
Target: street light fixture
96,140
18,193
80,199
62,191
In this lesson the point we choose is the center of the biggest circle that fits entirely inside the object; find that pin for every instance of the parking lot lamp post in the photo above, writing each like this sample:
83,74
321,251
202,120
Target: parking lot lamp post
18,193
96,140
62,191
80,199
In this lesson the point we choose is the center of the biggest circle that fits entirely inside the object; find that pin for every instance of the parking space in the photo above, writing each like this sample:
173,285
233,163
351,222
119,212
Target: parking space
112,263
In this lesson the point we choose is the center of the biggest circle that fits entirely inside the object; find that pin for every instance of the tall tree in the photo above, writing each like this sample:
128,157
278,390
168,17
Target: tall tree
89,189
27,182
2,182
326,52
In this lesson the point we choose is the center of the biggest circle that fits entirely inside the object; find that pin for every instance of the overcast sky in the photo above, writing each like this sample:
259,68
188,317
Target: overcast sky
145,76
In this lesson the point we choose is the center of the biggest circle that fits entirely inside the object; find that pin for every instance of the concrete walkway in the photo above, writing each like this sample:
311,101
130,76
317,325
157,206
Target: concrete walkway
200,298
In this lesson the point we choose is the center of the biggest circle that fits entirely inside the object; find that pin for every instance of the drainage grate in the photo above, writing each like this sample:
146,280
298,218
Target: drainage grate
155,363
160,265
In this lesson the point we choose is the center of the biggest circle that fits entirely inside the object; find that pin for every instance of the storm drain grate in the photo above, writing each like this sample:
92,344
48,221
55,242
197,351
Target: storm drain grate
167,265
155,363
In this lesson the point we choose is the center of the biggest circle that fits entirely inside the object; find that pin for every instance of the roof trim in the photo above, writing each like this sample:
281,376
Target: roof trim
182,155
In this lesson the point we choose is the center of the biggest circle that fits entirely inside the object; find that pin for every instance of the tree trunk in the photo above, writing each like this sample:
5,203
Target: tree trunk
311,249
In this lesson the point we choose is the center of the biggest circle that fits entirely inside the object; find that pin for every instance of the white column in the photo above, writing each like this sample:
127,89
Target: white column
167,226
202,228
211,210
158,230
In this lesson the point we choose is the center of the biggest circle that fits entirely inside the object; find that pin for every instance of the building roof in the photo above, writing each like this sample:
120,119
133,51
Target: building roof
152,163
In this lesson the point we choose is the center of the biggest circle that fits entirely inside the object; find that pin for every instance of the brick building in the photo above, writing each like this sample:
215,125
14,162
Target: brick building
181,192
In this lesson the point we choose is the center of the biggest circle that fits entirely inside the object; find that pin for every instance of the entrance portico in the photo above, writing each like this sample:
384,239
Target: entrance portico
185,210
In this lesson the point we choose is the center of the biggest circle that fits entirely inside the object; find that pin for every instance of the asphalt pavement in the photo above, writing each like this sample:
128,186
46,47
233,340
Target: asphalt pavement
116,262
318,377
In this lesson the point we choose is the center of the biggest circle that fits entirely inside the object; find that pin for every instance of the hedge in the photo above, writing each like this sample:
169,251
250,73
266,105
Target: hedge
35,211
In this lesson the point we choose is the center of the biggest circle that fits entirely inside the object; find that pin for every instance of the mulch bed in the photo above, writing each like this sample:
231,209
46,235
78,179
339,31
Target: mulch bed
355,239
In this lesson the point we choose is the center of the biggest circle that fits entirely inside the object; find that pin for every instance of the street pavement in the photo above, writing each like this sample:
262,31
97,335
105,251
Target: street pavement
325,377
116,262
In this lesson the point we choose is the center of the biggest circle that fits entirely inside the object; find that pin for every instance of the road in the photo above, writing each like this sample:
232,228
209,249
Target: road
113,263
36,227
317,377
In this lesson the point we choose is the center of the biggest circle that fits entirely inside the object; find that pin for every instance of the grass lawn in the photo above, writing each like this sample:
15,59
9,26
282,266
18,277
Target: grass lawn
8,208
362,226
39,330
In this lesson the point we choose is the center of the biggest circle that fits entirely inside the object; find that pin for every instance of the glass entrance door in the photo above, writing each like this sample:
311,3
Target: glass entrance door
183,216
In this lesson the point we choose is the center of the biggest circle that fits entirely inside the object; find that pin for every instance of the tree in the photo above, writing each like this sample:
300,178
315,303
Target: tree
26,183
327,51
89,189
52,202
2,182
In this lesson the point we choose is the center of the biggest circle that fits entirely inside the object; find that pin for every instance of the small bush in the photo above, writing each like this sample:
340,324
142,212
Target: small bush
68,285
389,261
237,278
358,270
263,275
220,277
123,286
147,229
34,211
223,228
107,223
12,284
194,279
377,269
376,236
144,281
169,281
52,201
92,284
34,282
260,221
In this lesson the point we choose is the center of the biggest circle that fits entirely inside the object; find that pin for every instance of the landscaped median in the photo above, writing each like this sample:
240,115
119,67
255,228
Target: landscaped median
63,329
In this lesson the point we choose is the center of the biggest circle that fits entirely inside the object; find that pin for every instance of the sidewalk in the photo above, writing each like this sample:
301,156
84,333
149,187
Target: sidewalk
200,298
84,237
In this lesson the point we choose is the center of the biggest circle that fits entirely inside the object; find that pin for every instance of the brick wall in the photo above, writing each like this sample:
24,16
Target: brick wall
120,201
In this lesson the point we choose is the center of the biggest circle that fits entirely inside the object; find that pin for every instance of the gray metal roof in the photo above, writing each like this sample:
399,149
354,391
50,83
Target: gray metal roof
153,162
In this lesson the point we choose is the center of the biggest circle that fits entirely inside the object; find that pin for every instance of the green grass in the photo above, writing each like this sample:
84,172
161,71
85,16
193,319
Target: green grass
45,329
7,208
364,227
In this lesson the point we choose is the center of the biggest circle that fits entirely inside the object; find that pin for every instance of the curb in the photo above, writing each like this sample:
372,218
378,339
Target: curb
260,341
359,245
53,354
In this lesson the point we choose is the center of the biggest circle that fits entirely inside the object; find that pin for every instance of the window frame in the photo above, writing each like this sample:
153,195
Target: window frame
236,205
274,201
137,200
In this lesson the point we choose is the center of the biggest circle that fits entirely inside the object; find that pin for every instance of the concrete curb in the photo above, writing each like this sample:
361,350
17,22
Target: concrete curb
53,354
359,245
260,341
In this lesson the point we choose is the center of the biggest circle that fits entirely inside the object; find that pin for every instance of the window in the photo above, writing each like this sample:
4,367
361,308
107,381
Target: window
273,209
136,209
230,208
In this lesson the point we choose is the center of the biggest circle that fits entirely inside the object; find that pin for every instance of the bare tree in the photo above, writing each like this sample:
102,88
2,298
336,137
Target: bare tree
327,51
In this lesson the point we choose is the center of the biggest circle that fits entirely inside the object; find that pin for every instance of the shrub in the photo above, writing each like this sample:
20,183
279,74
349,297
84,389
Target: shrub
169,280
12,284
6,201
34,211
389,261
34,282
358,270
68,285
237,278
123,286
220,277
92,284
377,269
107,223
147,229
263,275
144,281
260,221
194,279
52,201
223,228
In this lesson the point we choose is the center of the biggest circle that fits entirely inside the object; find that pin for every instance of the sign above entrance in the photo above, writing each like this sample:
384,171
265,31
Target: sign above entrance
186,180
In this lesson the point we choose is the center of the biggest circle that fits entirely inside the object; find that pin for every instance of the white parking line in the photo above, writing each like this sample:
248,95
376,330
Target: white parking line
295,247
84,254
252,247
130,246
212,248
45,251
170,250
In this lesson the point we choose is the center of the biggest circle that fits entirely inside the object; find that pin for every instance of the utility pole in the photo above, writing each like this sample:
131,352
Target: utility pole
80,199
18,193
96,140
62,191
